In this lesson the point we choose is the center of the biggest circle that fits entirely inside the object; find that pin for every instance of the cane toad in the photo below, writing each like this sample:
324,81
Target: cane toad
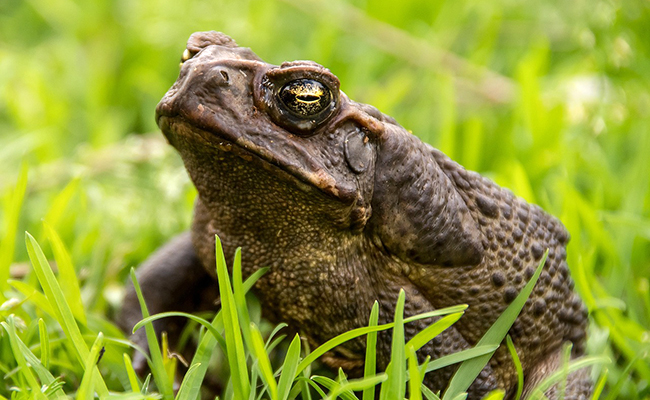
346,208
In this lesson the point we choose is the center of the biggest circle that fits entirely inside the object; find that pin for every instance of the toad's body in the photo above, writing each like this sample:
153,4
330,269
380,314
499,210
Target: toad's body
346,207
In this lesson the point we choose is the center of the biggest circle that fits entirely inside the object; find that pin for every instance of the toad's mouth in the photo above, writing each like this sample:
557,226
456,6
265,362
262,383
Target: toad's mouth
306,179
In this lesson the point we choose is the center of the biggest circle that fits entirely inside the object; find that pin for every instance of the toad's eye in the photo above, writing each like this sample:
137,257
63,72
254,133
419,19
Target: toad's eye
305,97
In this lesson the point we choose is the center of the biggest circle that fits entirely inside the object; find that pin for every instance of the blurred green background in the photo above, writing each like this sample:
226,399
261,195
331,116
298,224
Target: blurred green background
550,99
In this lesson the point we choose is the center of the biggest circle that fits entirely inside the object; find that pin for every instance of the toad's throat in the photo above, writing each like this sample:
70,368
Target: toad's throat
221,141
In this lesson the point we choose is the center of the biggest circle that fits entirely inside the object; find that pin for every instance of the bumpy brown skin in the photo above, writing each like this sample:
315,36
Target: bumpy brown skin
346,208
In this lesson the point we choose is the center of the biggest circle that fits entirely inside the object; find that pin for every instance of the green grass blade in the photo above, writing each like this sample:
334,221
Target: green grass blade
428,393
344,337
253,383
370,366
270,345
303,386
332,386
185,392
355,385
600,385
424,336
67,274
157,365
415,377
240,299
254,277
436,313
145,384
25,369
461,356
289,368
234,343
131,374
169,362
191,385
11,218
518,367
52,384
557,376
61,309
207,325
60,203
316,387
303,389
86,391
44,340
469,370
34,296
263,361
394,386
498,394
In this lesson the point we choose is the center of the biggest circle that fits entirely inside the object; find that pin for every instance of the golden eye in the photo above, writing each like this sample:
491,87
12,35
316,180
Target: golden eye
305,97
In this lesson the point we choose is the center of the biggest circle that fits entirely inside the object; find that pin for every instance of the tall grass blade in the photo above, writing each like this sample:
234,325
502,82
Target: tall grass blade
355,385
191,386
169,361
461,356
34,296
333,387
44,340
289,368
60,203
234,343
189,380
52,384
557,376
263,362
469,370
394,387
25,369
157,365
240,299
11,218
207,325
315,385
131,374
85,391
518,367
370,366
344,337
424,336
495,395
62,311
415,377
600,385
67,274
428,393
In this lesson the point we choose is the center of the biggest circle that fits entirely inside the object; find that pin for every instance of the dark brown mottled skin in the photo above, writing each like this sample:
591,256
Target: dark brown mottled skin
346,207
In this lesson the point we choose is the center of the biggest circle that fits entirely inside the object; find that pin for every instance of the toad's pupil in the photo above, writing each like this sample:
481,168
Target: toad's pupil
305,97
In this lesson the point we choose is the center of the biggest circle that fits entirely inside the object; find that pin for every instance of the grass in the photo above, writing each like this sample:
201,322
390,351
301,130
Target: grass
549,99
245,352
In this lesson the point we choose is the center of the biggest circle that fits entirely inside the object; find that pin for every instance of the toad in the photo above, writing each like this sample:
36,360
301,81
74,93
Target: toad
346,208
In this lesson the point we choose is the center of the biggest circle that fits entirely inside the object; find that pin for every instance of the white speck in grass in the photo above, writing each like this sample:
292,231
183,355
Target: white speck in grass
10,304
